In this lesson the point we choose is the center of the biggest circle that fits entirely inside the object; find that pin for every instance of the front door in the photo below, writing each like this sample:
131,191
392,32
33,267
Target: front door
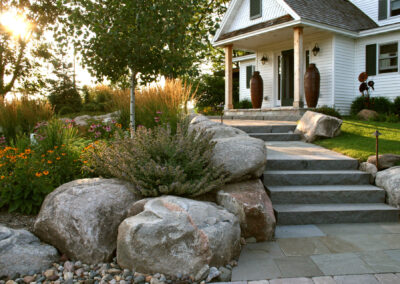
287,78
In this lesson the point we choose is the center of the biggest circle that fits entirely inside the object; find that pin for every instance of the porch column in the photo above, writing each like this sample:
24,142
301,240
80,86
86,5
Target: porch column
228,78
298,68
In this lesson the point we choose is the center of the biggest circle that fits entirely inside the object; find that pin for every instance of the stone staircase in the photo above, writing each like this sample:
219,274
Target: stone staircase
312,185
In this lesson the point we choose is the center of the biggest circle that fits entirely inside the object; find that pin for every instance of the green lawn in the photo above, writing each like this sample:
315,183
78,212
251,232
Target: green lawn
357,139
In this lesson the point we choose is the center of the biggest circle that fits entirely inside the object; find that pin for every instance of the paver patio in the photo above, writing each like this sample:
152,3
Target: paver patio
333,253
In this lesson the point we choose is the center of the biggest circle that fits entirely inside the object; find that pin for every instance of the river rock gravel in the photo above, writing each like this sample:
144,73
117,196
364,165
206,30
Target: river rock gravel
102,273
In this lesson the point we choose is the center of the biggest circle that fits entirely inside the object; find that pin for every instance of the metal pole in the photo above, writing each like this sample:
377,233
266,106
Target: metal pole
377,134
377,152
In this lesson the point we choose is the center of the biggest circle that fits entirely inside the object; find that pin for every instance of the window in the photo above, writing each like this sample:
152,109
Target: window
388,58
307,59
255,9
249,73
394,8
388,8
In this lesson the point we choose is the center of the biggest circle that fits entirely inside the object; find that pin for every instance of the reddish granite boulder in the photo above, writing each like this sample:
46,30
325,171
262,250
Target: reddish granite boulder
250,203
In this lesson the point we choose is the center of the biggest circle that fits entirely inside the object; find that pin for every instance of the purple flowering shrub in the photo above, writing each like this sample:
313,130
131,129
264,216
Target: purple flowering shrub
104,131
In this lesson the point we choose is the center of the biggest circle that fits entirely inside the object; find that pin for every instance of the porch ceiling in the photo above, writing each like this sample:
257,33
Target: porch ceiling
252,43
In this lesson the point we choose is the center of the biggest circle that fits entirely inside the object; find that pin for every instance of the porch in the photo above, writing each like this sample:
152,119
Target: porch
282,56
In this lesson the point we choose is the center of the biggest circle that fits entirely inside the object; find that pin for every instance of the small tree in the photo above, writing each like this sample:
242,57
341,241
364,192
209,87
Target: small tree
142,38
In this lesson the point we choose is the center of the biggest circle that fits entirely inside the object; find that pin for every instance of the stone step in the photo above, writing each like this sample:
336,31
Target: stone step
311,164
318,194
276,136
315,178
266,128
295,214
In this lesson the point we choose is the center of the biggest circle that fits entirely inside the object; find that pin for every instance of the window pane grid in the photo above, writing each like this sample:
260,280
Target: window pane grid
388,58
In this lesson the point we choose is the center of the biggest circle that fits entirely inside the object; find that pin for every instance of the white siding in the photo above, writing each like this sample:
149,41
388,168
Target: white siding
241,19
371,7
345,77
324,62
244,93
387,84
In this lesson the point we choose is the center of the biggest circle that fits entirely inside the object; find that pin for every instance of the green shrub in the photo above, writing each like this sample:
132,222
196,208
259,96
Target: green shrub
91,107
29,172
65,95
211,90
396,106
65,110
244,104
328,111
158,162
381,105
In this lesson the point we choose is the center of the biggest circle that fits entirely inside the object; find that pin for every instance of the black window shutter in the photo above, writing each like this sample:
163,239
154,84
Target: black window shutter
249,74
255,8
383,9
370,60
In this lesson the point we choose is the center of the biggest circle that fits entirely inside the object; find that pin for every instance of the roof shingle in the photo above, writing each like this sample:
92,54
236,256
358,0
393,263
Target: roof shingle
338,13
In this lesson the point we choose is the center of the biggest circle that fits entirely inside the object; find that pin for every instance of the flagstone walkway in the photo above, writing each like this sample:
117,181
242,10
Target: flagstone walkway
333,253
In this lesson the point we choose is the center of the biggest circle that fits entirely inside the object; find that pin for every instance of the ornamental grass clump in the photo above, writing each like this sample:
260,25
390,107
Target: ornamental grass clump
19,116
158,162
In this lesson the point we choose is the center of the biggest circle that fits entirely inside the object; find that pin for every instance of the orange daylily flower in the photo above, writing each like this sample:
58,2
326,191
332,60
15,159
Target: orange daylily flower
39,174
46,173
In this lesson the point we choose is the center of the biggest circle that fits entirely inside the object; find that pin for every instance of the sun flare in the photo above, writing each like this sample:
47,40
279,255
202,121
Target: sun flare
16,24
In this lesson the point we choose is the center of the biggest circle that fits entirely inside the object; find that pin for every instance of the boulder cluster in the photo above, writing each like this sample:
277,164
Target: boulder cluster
92,222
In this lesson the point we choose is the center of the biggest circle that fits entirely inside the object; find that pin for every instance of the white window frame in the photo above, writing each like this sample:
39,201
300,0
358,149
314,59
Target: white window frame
258,15
378,50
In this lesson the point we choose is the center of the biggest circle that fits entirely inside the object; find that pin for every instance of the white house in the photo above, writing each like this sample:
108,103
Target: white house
342,37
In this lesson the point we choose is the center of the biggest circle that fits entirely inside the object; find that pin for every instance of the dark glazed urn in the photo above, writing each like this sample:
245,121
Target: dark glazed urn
256,90
312,82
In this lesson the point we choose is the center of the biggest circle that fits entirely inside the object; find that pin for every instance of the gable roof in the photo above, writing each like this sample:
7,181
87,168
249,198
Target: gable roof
338,13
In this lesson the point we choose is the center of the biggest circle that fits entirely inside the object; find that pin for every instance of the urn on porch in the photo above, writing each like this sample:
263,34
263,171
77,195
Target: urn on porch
312,82
256,90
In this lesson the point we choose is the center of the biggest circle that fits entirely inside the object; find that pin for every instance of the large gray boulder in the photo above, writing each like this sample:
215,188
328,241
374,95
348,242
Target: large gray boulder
250,203
81,218
177,235
385,161
22,253
315,125
242,156
218,130
389,180
371,169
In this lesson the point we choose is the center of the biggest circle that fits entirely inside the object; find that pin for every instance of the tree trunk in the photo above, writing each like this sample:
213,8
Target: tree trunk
133,86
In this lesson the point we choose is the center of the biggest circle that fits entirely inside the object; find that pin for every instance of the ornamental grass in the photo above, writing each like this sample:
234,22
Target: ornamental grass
166,103
21,115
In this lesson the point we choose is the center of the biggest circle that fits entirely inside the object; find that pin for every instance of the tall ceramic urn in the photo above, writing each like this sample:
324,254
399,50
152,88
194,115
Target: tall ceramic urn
312,82
256,90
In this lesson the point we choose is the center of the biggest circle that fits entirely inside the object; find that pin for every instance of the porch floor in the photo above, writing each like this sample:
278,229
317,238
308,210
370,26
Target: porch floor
240,122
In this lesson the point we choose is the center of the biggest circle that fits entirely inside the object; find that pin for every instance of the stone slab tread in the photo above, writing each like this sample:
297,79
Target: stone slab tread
333,207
